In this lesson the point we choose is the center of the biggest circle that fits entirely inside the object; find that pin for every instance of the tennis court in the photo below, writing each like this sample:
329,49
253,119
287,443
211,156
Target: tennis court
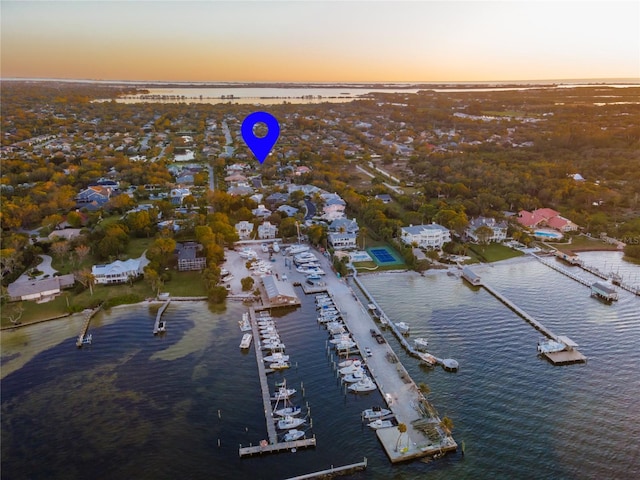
383,256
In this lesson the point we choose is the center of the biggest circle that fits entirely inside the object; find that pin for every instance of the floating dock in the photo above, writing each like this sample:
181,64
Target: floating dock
271,445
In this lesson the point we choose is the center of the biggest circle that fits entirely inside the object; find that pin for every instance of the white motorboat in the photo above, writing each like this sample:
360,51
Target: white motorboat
295,249
293,435
420,344
270,337
379,423
364,385
291,411
310,270
550,346
245,325
276,357
248,253
345,345
328,318
348,362
343,337
246,340
162,326
350,366
375,412
272,346
265,248
354,376
281,365
289,422
336,328
403,328
276,247
283,393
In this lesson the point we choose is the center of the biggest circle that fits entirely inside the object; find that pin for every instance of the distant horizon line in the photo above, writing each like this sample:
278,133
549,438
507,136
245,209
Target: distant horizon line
328,83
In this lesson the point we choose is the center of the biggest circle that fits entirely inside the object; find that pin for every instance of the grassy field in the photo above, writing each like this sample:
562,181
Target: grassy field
494,252
582,243
185,284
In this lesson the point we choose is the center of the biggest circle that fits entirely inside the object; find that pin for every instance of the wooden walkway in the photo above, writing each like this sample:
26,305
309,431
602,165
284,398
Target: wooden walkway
272,445
531,320
266,395
563,271
159,316
334,471
85,328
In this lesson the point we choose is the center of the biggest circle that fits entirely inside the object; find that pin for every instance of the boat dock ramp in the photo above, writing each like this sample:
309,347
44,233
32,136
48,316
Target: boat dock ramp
272,445
156,326
564,357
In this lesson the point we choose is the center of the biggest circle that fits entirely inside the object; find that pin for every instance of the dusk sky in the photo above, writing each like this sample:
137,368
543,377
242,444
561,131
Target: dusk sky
326,41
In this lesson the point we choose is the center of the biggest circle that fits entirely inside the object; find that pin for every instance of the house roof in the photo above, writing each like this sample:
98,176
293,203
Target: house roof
118,267
418,229
34,287
276,288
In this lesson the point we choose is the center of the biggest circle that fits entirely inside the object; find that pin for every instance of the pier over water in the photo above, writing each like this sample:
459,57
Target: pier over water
566,356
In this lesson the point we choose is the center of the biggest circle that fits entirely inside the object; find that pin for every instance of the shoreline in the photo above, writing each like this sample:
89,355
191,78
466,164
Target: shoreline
428,272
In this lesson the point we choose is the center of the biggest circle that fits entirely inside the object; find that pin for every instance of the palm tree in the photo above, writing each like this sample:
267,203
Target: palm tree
402,428
447,425
424,389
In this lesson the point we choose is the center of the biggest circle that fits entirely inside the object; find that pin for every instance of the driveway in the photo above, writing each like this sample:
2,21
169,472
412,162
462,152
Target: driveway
44,267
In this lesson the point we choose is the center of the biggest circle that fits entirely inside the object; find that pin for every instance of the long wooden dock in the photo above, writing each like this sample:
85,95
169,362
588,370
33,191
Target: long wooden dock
333,471
83,338
530,319
568,356
156,325
561,270
271,445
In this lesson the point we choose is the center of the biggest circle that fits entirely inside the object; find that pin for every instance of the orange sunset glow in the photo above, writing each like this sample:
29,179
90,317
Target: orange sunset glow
321,41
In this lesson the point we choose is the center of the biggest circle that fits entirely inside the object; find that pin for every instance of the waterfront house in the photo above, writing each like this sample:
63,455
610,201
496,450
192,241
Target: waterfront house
546,217
498,229
119,271
344,225
432,236
39,290
188,258
267,231
342,240
244,229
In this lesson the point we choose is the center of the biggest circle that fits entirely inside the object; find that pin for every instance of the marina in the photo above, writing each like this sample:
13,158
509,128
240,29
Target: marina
480,332
272,445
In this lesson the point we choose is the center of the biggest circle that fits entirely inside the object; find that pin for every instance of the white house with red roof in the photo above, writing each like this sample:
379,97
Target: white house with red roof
546,217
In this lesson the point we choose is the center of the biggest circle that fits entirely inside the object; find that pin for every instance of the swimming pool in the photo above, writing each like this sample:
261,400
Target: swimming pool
547,234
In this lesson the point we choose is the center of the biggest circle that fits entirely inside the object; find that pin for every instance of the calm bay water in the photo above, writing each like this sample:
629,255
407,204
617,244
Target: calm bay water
137,406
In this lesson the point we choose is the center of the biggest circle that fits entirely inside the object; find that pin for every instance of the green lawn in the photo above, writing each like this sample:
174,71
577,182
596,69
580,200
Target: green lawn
137,246
185,284
582,242
32,311
494,252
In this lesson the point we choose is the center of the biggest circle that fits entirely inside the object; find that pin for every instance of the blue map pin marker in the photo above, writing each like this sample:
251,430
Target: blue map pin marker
260,146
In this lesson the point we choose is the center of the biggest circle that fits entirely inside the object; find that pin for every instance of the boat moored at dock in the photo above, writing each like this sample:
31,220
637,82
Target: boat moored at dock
246,341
